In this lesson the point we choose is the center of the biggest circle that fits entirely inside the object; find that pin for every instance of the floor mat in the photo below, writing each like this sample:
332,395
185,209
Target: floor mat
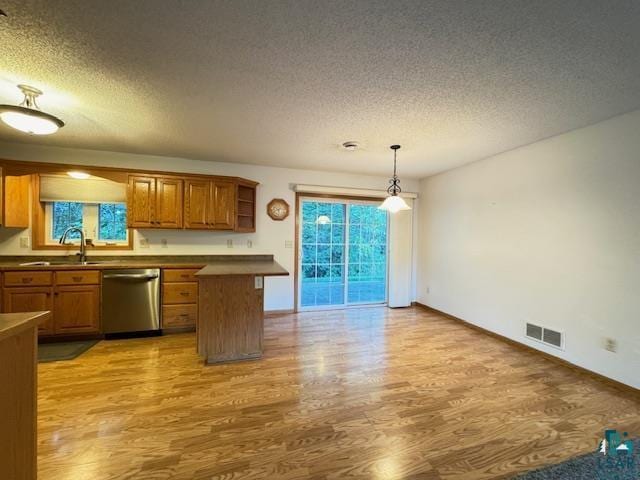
592,466
52,352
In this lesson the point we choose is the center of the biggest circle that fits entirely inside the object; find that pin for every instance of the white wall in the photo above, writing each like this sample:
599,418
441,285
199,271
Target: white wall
269,238
547,233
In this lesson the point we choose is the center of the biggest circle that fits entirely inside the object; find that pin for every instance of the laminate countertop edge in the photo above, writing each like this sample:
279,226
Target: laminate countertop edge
14,323
258,268
134,261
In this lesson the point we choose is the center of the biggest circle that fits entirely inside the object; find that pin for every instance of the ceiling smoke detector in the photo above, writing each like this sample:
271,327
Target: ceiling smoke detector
350,146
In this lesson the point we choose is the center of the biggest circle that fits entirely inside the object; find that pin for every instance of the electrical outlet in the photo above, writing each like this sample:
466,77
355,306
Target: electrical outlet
24,242
249,244
611,344
428,289
230,243
143,242
163,243
258,282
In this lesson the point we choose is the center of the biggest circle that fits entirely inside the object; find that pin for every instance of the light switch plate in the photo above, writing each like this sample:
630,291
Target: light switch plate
288,244
258,282
24,242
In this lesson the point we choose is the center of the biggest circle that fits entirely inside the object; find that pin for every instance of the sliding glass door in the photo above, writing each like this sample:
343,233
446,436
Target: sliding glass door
342,255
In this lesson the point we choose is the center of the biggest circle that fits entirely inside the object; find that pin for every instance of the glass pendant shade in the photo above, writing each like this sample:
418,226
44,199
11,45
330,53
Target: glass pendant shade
394,204
27,117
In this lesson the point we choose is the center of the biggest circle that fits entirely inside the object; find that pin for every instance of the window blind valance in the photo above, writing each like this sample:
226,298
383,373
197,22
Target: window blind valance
59,188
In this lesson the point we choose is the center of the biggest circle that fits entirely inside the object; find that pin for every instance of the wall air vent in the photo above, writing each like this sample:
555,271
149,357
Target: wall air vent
544,335
534,331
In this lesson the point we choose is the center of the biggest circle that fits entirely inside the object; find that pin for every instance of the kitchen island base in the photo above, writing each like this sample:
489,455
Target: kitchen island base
230,318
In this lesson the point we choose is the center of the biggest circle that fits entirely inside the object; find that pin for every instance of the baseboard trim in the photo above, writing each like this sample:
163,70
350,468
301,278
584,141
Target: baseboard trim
275,313
598,376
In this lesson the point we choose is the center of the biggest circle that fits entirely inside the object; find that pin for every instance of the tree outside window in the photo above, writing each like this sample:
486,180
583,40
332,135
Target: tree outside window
112,221
65,215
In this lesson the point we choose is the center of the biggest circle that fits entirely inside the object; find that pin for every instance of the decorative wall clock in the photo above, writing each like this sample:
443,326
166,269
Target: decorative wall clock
278,209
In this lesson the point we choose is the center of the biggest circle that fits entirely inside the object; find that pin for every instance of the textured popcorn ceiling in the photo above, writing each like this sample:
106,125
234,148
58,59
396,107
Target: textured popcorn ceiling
284,82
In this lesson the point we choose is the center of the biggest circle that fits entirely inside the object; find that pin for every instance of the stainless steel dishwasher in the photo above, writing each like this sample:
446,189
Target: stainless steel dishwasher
131,301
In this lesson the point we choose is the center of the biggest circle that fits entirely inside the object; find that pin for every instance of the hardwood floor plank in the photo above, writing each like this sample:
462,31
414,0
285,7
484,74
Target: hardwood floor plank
371,393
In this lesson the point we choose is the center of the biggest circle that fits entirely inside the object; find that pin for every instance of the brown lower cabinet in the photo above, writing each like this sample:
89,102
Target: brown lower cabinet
73,298
30,299
179,298
76,309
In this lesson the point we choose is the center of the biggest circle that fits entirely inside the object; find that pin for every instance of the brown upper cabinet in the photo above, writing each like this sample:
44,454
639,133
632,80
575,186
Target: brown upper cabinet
209,204
14,200
155,201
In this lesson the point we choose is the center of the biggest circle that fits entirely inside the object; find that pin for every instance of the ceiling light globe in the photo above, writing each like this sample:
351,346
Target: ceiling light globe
394,203
78,175
28,123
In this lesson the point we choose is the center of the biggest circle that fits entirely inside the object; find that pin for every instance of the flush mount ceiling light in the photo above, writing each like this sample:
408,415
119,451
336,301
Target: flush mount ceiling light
394,202
78,175
350,146
27,117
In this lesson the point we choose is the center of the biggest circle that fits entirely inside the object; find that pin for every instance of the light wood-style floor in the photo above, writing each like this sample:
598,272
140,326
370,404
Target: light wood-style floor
367,393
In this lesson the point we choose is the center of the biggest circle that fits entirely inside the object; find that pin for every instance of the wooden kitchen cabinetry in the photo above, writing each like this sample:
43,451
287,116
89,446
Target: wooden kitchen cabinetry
179,298
30,299
76,309
14,200
155,201
72,296
246,207
209,204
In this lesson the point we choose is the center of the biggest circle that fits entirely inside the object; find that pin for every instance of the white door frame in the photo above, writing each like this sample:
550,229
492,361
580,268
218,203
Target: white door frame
345,305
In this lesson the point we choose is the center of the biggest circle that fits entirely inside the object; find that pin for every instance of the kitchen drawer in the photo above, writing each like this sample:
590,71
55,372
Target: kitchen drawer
78,277
179,316
179,293
179,275
27,279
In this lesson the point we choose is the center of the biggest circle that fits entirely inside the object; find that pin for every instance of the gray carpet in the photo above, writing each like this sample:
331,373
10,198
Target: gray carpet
52,352
592,466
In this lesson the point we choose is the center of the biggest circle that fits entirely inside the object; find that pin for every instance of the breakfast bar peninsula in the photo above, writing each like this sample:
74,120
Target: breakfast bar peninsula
231,308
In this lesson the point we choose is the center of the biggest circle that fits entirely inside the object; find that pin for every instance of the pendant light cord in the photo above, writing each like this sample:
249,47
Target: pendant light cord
394,187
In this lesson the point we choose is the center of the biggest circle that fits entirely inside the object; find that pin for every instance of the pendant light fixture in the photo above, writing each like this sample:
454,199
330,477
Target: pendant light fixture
27,117
394,202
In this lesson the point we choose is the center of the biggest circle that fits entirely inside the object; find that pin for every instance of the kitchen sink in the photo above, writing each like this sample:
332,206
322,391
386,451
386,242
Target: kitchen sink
70,263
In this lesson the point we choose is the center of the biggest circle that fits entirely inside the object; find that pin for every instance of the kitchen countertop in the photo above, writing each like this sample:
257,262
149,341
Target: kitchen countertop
132,261
268,268
13,323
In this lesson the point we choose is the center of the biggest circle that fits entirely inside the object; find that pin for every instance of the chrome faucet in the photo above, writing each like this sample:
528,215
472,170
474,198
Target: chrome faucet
83,248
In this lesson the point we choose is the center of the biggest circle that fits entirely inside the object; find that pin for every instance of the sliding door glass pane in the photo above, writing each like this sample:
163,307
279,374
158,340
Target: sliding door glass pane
323,254
367,254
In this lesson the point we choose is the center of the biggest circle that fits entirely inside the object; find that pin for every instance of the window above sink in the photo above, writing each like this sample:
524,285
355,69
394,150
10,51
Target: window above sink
103,223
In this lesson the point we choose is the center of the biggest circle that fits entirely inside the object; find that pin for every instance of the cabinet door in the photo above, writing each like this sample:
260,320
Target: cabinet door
223,211
77,309
197,204
141,201
169,203
30,299
15,193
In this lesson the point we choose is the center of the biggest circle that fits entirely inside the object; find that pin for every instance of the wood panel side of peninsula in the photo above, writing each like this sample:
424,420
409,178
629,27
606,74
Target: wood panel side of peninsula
231,309
18,410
